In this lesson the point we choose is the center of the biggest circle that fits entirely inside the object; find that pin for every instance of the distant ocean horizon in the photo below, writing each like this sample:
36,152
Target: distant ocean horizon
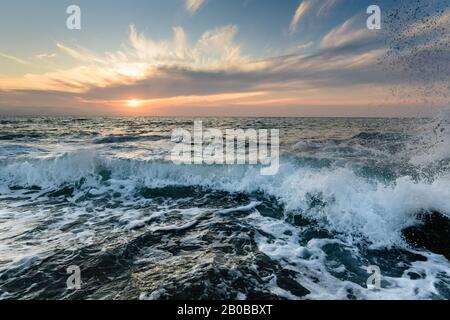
87,116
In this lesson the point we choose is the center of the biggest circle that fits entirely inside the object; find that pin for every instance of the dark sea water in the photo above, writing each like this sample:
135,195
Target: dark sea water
102,194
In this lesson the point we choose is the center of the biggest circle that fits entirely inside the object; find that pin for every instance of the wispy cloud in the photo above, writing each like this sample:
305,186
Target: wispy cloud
180,101
193,5
216,49
302,9
79,54
321,7
44,56
141,58
212,66
326,6
350,32
13,58
438,24
304,46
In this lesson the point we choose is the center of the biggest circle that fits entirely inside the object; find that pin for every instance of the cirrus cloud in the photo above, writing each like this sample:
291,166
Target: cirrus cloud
321,7
193,6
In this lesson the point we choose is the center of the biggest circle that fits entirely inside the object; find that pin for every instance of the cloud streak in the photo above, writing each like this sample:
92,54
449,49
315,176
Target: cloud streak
326,6
13,58
348,34
302,9
321,7
192,6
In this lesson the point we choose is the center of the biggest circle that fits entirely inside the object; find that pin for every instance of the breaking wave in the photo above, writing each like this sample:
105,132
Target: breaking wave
337,197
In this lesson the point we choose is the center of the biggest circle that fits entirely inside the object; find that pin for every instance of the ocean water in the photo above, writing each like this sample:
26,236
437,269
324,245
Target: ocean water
102,194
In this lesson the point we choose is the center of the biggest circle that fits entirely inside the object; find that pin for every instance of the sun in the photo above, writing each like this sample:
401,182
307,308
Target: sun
133,103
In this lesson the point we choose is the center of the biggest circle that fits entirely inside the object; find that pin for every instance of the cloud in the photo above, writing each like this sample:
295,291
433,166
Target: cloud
321,7
79,53
180,101
13,58
213,65
419,28
326,6
44,56
193,5
216,49
304,46
140,58
350,32
302,9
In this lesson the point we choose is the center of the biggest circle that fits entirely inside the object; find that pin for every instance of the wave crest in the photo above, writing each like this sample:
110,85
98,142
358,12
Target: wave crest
336,197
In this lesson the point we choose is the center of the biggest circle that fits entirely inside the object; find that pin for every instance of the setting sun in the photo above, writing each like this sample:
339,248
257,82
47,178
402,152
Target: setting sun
134,103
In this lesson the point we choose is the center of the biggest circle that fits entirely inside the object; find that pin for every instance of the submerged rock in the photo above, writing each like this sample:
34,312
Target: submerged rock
433,234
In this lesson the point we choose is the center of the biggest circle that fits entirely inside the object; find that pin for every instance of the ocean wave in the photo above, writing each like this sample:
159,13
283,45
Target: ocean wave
9,150
379,136
11,136
129,138
338,198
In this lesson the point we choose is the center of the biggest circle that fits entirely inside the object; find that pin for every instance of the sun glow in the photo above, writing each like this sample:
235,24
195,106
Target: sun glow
134,103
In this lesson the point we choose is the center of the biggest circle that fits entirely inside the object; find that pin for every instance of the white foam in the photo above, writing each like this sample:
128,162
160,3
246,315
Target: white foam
433,144
252,205
351,204
312,263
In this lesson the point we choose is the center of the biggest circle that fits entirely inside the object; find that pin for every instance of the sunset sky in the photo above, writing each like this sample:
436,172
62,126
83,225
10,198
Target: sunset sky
224,58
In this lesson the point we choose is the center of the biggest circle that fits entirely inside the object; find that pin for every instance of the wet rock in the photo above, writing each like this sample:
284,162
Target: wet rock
286,280
433,234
